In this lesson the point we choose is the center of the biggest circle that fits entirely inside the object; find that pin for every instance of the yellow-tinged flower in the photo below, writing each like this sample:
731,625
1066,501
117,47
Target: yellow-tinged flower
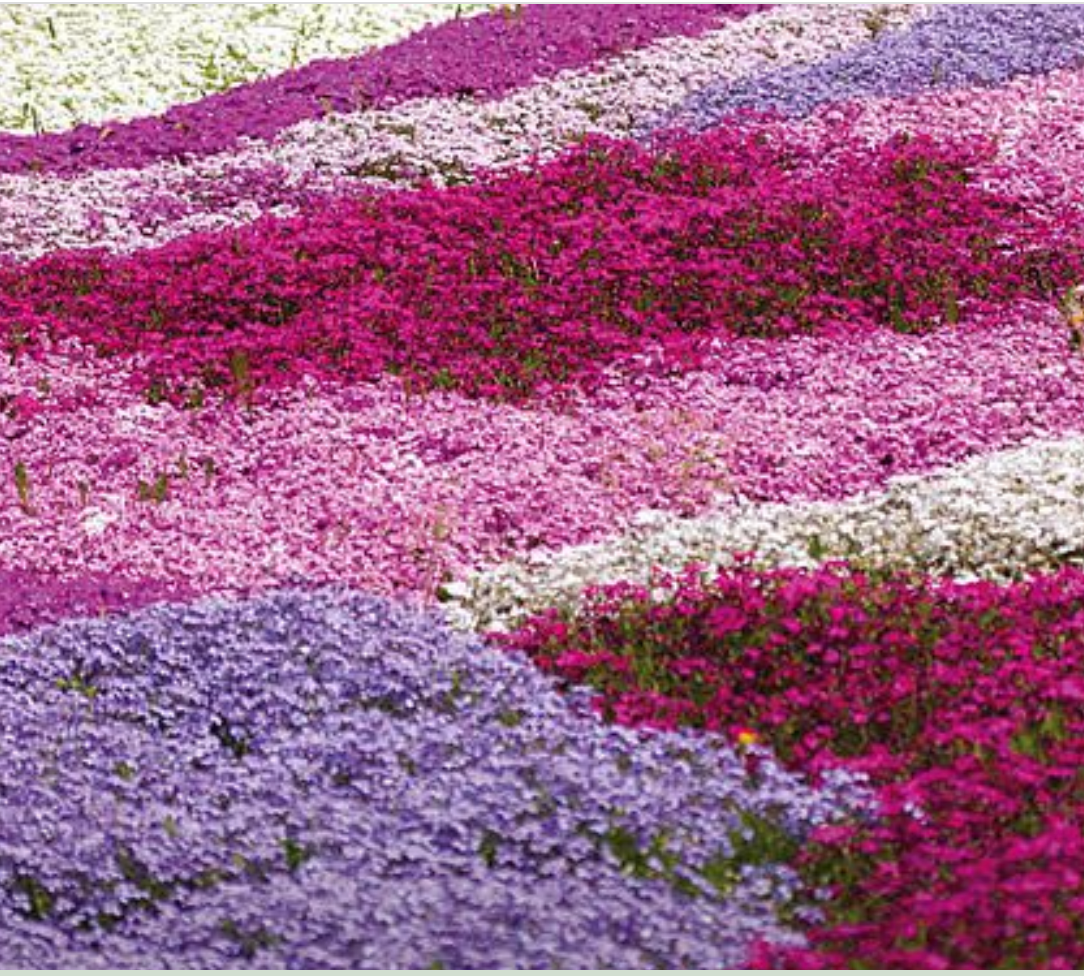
1072,307
747,737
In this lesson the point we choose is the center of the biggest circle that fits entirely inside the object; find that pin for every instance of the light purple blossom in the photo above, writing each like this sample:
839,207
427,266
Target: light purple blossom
321,779
957,46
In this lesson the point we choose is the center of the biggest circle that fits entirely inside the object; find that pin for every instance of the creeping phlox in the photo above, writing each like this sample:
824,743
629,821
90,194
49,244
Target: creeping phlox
962,702
724,361
532,283
320,779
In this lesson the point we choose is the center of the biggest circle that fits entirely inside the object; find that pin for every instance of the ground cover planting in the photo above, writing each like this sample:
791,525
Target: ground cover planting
52,71
961,702
315,780
541,486
460,58
539,280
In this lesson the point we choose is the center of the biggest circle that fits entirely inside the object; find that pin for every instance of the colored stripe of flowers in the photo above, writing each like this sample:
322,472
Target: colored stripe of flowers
996,516
535,282
375,487
962,701
483,56
65,64
957,46
447,139
392,493
325,780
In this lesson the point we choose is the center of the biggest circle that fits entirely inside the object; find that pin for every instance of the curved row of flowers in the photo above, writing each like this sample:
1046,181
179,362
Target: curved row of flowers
382,366
52,55
436,137
1034,117
484,57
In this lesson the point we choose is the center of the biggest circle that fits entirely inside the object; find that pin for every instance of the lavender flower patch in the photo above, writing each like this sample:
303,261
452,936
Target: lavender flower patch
326,780
958,46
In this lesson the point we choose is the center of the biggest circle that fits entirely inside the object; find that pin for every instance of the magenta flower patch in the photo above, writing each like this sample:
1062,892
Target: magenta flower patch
535,282
962,702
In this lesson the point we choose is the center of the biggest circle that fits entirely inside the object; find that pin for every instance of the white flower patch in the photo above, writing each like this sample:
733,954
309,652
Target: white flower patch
994,517
64,64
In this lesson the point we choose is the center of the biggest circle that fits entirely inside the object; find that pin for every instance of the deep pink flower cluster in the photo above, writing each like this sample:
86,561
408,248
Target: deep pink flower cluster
963,702
29,600
525,283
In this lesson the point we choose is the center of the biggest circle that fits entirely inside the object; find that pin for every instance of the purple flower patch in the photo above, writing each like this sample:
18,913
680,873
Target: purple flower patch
958,46
326,780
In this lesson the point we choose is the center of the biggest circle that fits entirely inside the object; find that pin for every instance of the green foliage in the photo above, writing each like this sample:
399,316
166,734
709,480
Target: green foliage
22,487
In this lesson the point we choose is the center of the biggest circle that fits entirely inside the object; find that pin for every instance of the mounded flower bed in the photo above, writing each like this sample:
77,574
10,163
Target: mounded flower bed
541,486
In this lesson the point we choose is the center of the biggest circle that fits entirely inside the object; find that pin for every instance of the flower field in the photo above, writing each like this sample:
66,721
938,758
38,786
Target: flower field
541,486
